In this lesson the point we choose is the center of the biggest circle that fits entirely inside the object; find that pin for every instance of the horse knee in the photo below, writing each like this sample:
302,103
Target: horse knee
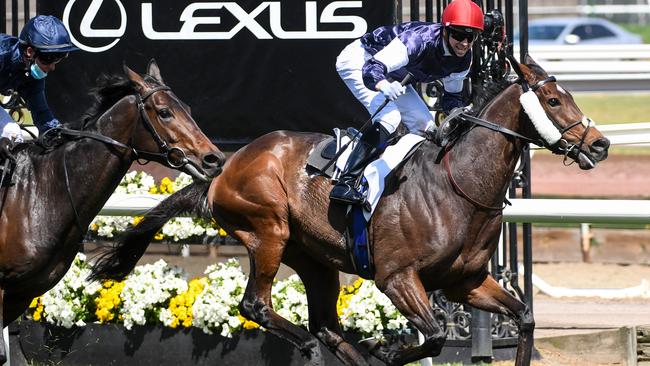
254,309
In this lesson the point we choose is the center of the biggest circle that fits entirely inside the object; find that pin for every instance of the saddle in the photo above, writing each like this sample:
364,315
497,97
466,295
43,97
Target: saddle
358,216
326,150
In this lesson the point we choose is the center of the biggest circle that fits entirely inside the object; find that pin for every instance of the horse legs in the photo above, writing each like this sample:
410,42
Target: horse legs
490,296
256,304
407,293
322,287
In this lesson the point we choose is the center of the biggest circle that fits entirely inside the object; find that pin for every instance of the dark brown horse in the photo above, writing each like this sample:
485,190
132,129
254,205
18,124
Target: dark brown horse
425,235
57,193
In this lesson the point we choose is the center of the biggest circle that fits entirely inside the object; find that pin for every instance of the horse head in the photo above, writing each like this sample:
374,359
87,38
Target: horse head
556,118
168,133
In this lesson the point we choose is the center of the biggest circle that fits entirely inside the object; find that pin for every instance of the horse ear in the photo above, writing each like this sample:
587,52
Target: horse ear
528,60
154,71
533,67
135,78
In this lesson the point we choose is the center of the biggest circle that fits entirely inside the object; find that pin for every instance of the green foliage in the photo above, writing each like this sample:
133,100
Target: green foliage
615,108
643,30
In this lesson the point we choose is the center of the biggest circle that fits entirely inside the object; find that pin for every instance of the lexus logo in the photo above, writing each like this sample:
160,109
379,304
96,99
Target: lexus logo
189,21
86,30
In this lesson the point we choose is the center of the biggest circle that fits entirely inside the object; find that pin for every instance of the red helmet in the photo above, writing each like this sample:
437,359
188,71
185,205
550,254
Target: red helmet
463,14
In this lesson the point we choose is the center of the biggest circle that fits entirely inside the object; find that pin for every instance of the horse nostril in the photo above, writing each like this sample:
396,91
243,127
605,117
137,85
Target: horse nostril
600,144
213,159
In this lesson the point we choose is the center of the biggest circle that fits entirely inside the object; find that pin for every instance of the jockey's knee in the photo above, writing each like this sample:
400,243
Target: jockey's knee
421,123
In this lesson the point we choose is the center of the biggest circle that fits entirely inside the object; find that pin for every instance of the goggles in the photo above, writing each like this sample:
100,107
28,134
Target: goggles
460,36
49,58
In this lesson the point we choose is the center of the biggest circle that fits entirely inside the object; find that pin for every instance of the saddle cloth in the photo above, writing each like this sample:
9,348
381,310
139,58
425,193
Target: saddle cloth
374,174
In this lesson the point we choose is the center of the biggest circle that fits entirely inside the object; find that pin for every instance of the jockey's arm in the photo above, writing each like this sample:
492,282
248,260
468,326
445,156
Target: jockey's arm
400,52
37,103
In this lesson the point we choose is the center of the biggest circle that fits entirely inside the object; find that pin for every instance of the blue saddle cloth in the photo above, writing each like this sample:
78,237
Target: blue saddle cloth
358,244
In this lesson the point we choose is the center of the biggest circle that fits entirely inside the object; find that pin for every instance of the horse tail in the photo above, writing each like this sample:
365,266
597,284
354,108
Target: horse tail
117,262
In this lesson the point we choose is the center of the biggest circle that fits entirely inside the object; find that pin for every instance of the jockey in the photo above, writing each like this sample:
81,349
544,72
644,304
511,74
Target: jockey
373,66
24,63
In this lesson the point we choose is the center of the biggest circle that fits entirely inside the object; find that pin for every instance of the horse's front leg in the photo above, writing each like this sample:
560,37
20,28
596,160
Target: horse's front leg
407,293
485,293
265,251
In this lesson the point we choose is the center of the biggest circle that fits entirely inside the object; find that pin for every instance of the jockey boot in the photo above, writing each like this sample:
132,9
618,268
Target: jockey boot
368,147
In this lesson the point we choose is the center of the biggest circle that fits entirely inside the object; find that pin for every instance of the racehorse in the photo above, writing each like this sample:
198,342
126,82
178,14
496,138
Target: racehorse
59,190
436,226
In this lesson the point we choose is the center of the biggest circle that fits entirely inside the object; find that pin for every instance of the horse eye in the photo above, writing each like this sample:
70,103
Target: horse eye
165,113
553,102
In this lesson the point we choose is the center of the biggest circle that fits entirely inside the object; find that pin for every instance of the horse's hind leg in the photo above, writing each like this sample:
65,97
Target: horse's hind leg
485,293
407,293
322,286
265,252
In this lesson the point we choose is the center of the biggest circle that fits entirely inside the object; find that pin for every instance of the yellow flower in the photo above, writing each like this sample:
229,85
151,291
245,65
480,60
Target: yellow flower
222,232
35,302
247,324
108,301
346,294
159,236
181,305
166,186
36,316
154,190
137,219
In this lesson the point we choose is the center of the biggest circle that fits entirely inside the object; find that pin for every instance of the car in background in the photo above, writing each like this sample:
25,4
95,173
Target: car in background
577,30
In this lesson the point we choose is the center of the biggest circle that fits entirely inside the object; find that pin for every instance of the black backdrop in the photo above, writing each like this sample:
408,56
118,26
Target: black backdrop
238,88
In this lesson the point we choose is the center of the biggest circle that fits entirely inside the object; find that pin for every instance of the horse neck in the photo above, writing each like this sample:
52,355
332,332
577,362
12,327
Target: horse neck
490,157
95,168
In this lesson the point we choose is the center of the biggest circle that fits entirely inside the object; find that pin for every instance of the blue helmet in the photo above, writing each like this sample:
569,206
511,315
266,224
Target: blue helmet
46,34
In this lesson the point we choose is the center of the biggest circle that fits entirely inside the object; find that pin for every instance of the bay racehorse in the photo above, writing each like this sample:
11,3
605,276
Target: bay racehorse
434,228
59,190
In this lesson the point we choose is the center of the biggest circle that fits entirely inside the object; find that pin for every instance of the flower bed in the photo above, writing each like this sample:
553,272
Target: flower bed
178,229
158,294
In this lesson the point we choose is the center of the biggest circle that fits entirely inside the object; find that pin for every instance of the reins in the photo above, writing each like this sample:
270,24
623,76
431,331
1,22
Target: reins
457,187
498,128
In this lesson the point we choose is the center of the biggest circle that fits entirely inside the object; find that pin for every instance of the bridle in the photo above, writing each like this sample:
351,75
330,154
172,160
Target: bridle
166,153
562,147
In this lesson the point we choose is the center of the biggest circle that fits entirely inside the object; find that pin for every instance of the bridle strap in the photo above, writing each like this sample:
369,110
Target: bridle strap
145,116
539,84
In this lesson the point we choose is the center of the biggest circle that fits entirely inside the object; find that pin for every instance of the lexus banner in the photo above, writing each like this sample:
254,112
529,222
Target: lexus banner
245,67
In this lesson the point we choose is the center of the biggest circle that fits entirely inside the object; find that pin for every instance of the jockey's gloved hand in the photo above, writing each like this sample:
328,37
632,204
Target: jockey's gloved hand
391,90
5,148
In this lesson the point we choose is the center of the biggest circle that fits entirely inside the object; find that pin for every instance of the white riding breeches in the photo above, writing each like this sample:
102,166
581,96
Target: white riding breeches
409,108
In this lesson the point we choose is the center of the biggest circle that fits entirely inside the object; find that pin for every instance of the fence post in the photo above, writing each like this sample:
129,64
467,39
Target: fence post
585,240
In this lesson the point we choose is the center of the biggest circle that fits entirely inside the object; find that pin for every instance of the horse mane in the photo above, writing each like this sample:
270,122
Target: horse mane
108,90
484,92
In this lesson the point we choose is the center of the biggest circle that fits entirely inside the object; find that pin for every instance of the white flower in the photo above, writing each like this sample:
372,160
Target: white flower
290,300
371,312
216,307
67,303
147,290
